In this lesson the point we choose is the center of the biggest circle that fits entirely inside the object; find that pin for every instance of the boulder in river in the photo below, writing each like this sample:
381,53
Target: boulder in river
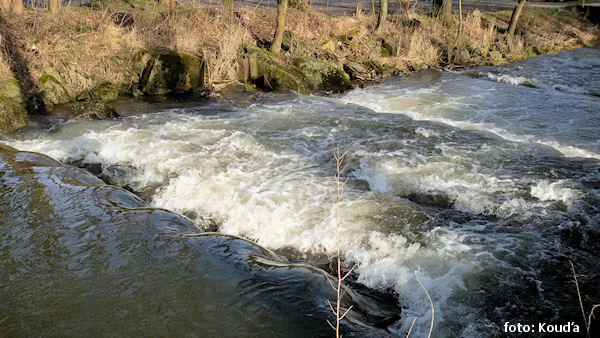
12,106
52,92
93,110
258,66
323,75
172,72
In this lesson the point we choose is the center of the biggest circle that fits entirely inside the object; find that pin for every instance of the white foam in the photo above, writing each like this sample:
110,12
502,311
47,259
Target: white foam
555,191
510,79
276,198
427,104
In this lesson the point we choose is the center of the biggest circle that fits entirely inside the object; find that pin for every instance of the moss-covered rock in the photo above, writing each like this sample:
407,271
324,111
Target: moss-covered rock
495,58
323,75
258,66
12,89
329,45
238,88
92,110
387,49
52,91
172,72
357,71
104,92
13,114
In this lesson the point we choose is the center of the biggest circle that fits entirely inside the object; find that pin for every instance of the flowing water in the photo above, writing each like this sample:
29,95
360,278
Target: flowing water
481,184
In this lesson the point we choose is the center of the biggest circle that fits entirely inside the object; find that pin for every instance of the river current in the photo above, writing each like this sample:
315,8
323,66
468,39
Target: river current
482,184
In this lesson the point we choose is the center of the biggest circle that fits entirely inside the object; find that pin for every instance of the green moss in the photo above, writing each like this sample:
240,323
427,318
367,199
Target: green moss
11,89
93,111
13,113
275,76
52,91
172,72
324,75
104,92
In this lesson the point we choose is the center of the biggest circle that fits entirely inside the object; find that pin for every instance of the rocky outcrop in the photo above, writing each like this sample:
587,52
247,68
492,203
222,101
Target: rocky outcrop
257,66
51,91
13,114
323,75
172,72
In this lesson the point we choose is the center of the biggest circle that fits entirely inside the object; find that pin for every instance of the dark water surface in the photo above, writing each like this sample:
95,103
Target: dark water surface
482,184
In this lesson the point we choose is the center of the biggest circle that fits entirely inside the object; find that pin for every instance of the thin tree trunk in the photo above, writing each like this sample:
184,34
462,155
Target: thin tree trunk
447,13
53,6
382,16
12,7
514,18
282,6
171,6
460,26
4,6
442,9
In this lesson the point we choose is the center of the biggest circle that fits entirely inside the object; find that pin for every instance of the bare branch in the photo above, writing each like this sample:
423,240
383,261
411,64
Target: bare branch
579,295
432,309
411,326
345,313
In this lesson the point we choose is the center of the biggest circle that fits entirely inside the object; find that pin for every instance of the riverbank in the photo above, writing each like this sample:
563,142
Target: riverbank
93,55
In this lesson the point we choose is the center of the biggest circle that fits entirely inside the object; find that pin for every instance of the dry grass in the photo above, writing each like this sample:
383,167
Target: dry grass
81,46
84,47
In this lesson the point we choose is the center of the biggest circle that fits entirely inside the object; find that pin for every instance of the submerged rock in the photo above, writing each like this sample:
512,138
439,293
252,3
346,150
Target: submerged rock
12,106
51,91
93,110
172,72
257,66
324,75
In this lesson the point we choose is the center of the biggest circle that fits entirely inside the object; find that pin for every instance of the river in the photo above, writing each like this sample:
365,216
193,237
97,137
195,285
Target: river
482,184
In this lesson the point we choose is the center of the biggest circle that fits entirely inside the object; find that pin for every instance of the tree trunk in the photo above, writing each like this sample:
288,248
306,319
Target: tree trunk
11,7
442,9
514,18
447,13
382,16
53,6
4,6
171,6
282,6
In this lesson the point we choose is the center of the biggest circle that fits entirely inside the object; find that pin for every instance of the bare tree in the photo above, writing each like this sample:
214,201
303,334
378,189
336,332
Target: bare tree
4,6
382,15
53,6
11,7
282,6
514,18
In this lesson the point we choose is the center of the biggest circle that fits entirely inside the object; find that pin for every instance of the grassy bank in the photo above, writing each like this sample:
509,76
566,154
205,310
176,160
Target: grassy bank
83,47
